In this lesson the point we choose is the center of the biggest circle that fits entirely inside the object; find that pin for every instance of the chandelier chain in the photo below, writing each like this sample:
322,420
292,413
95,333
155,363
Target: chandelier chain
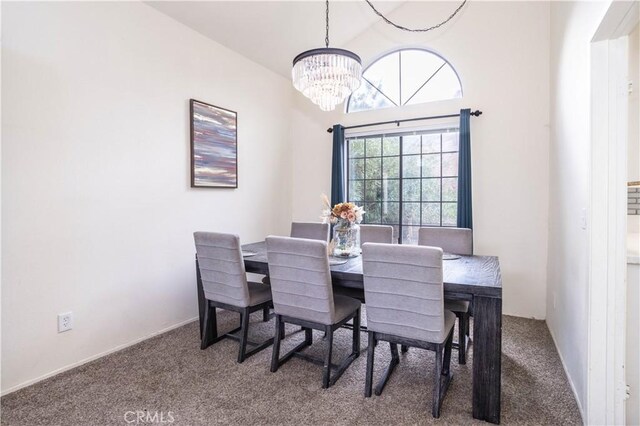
400,27
326,38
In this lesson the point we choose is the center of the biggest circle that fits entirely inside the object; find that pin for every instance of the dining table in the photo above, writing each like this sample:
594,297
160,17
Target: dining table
476,279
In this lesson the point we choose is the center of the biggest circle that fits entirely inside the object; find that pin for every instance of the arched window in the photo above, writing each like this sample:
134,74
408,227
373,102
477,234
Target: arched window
405,77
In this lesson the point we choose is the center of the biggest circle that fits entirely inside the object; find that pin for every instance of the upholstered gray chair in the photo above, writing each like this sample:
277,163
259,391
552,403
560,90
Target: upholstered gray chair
221,268
456,241
310,230
376,234
404,294
303,295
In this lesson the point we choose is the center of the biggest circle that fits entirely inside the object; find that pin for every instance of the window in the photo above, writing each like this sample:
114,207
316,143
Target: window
405,77
405,180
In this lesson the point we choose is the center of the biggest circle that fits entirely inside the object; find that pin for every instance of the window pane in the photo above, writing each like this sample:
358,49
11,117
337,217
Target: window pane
411,190
450,141
417,67
410,234
385,75
411,213
431,165
391,190
373,190
431,214
411,166
391,167
356,190
391,146
390,213
450,189
411,145
450,164
449,214
366,98
373,168
356,148
372,213
374,147
431,189
356,169
430,143
443,85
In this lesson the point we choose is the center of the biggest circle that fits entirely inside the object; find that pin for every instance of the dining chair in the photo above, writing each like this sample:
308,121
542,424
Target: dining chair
455,241
225,285
403,290
376,234
303,295
310,230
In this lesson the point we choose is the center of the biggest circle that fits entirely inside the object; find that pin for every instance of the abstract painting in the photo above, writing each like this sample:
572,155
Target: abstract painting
214,146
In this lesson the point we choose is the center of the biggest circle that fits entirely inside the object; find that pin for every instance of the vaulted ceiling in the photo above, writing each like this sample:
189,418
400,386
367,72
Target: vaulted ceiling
272,33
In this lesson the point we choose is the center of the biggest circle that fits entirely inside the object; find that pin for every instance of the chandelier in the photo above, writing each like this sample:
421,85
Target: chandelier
326,75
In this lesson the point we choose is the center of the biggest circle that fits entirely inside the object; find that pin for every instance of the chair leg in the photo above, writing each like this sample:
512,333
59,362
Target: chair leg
462,338
404,348
368,384
265,314
395,360
326,374
205,328
244,331
356,333
275,355
308,336
446,362
210,328
437,397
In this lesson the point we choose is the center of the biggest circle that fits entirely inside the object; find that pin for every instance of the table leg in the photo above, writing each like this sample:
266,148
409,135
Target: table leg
487,353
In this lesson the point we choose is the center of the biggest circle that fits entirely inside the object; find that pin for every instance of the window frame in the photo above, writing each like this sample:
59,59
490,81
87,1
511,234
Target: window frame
400,224
399,51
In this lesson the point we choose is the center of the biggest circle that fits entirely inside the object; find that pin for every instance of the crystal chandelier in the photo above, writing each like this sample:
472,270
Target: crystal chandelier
326,75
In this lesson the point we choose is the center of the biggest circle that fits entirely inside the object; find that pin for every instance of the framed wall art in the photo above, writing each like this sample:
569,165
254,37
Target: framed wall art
214,146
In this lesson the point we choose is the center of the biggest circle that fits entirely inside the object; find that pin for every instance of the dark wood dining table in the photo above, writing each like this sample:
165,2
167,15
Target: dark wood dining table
473,278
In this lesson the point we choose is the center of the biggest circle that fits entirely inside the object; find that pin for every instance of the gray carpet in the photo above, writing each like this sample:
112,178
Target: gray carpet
169,375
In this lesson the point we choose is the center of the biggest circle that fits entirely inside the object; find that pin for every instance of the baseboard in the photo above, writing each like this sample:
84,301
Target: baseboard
94,357
566,372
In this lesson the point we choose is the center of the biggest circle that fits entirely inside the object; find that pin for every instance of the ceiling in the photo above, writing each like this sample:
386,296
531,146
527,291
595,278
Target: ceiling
272,33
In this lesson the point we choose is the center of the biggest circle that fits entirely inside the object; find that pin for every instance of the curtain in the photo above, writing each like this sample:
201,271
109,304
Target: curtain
337,166
465,216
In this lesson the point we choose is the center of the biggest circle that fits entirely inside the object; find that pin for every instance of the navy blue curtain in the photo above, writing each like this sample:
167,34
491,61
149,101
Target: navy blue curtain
337,166
465,213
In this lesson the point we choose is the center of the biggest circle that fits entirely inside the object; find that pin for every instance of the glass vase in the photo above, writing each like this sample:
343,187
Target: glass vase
346,241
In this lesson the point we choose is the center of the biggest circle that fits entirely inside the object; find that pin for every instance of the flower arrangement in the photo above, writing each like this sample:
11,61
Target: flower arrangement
343,215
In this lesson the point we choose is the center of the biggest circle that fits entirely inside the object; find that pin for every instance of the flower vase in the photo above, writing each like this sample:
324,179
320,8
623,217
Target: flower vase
346,240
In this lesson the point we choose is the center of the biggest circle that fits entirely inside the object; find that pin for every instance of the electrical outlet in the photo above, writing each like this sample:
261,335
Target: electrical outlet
583,218
65,322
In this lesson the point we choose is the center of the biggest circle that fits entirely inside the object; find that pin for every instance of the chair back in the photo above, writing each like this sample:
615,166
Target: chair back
376,234
403,291
450,240
310,230
222,268
300,279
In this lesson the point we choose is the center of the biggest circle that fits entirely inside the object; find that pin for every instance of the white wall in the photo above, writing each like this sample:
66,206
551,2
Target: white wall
97,213
501,52
573,24
633,164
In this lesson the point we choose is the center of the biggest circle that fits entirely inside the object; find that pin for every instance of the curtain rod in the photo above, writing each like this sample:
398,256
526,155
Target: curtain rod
475,113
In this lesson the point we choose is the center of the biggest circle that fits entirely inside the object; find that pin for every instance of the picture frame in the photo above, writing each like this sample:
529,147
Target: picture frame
214,146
